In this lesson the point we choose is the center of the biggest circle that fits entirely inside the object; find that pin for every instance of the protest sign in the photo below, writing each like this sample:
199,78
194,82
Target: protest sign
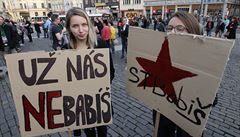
178,76
60,91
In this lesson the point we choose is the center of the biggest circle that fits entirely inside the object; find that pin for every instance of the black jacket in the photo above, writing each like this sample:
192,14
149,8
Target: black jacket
10,35
232,28
1,43
37,28
124,33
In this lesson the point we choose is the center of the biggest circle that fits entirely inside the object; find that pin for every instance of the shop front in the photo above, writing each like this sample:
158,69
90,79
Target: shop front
131,14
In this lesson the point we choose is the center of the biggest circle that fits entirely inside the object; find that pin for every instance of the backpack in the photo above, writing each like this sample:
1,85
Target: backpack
113,33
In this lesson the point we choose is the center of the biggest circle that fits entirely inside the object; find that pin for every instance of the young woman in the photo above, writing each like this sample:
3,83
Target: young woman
232,28
83,36
180,22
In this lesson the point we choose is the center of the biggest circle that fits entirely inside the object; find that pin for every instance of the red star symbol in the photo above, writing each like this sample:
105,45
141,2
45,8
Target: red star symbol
161,73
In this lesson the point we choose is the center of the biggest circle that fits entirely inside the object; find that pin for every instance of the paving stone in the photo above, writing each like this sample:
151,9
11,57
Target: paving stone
216,130
14,130
227,135
130,125
113,133
217,135
131,120
207,133
2,120
130,132
131,115
11,123
7,134
140,131
122,132
4,128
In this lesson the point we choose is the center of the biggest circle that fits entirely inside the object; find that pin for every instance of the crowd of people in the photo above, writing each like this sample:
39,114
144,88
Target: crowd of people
79,31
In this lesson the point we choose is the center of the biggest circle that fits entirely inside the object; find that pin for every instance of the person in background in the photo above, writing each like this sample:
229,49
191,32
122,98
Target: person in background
144,22
8,34
29,30
219,28
119,26
57,32
45,30
106,33
37,29
83,36
48,25
112,37
226,22
155,22
3,37
232,28
209,26
22,29
16,36
180,22
124,37
160,25
99,24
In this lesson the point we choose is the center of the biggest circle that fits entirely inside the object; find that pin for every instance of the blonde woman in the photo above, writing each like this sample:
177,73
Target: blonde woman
83,36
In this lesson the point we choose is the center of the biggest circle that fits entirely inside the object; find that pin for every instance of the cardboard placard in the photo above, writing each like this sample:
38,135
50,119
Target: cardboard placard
178,76
60,91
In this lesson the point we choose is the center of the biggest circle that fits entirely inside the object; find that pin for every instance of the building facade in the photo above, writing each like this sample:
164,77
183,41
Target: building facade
166,8
31,8
7,9
62,6
112,5
132,8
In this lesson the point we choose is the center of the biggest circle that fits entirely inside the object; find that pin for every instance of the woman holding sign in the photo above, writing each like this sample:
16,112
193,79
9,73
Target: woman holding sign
180,22
83,36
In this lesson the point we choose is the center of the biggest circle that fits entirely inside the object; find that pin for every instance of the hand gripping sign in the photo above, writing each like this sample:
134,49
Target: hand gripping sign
62,90
178,76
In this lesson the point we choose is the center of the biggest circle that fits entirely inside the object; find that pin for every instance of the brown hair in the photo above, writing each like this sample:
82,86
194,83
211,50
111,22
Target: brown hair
191,23
91,38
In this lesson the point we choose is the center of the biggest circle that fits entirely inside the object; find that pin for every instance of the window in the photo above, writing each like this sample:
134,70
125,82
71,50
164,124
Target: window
4,6
21,6
49,5
44,13
34,5
43,5
36,13
126,2
25,6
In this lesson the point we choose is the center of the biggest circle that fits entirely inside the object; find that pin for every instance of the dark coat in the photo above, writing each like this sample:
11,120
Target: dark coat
37,28
232,27
1,43
10,35
124,33
28,27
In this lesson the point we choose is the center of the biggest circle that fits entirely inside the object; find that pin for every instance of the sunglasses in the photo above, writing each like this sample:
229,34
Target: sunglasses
178,28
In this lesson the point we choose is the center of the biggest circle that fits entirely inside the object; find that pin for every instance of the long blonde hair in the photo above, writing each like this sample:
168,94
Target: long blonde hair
91,38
